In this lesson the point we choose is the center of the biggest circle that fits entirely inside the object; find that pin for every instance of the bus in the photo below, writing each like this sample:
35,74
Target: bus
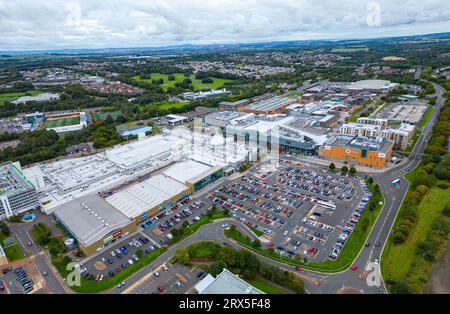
395,182
327,205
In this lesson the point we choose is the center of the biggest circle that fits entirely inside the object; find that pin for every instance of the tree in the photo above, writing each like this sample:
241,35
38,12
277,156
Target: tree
109,119
210,213
207,80
228,255
171,77
370,180
226,212
352,170
332,166
256,243
183,256
175,232
216,267
344,169
139,253
4,229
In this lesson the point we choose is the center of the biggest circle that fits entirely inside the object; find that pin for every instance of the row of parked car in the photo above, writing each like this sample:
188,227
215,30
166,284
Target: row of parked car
320,183
22,277
345,234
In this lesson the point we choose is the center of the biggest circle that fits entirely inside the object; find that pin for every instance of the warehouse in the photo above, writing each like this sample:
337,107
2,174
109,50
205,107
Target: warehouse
193,174
93,223
146,198
268,106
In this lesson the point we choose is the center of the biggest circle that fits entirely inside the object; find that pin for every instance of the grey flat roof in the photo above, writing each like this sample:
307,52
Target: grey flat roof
90,226
271,103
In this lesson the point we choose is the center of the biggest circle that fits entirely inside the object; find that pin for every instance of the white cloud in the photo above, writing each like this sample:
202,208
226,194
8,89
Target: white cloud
38,24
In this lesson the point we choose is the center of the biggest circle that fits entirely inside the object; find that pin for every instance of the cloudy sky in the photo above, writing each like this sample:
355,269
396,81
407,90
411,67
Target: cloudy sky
44,24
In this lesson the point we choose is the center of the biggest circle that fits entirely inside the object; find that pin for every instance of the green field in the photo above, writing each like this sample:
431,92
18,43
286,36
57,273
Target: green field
350,49
166,105
298,94
12,252
179,77
8,97
101,115
397,259
61,122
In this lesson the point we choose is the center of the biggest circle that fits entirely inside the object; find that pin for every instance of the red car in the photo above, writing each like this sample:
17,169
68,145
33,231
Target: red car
354,267
298,269
269,244
160,289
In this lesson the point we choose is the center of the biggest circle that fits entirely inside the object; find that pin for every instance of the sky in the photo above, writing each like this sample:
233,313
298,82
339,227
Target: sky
56,24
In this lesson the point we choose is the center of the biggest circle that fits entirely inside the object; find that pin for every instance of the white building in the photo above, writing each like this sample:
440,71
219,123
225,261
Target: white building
402,136
40,97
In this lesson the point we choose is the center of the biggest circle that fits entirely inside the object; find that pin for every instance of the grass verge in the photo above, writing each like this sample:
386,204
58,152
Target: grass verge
348,253
92,286
266,286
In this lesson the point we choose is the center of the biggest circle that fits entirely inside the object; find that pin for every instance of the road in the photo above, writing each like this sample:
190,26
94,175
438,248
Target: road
383,226
53,283
314,282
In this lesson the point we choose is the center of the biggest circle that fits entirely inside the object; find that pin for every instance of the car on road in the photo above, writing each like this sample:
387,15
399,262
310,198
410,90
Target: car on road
377,244
156,274
367,244
44,273
225,225
160,289
120,285
178,283
298,269
354,267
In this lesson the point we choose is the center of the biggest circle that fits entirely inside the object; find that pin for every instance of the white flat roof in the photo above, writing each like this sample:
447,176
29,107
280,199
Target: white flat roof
137,198
371,84
185,170
142,150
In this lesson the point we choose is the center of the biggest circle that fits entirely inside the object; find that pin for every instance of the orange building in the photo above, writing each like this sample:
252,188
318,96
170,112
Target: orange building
372,152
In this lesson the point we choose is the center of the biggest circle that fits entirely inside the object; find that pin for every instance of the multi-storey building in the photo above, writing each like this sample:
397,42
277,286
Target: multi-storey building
17,194
402,136
368,151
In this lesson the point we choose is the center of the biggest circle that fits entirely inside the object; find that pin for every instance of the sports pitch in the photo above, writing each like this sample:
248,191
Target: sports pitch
61,122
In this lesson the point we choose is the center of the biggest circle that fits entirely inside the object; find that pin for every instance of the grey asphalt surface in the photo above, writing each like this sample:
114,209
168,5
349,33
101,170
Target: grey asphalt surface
319,283
382,228
53,282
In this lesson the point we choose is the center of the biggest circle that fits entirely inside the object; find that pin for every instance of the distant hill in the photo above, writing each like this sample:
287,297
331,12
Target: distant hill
212,47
